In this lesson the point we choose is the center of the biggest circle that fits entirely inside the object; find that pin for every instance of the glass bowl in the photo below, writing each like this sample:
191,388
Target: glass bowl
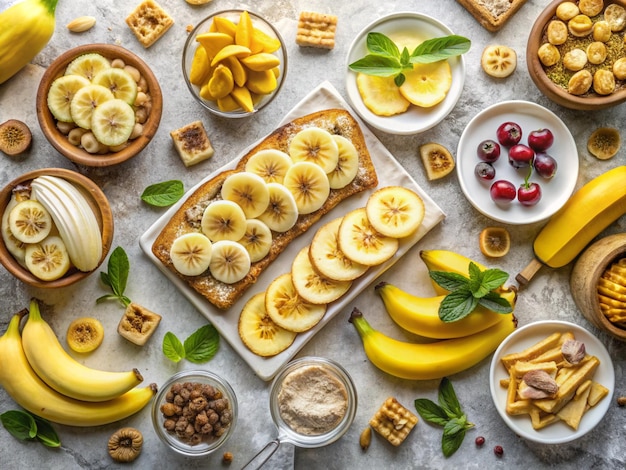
260,101
60,141
170,439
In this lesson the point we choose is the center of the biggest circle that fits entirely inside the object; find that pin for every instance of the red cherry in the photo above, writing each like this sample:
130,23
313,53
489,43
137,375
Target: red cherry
544,165
529,194
502,192
484,171
540,139
509,133
488,151
521,156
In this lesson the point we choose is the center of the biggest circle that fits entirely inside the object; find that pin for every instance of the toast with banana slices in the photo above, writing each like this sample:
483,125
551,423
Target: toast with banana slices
285,184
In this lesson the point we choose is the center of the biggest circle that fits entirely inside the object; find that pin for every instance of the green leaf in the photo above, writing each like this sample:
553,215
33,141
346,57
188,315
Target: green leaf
404,59
448,280
454,426
378,43
172,347
450,443
497,303
379,66
448,399
436,49
163,194
399,79
202,345
46,433
118,269
456,305
430,411
494,278
20,424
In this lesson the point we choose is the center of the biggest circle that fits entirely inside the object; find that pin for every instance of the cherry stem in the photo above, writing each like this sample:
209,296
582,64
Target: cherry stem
530,172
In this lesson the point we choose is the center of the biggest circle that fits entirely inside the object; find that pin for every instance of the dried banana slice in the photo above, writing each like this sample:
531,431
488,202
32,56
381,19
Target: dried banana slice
615,15
604,143
437,160
498,61
85,334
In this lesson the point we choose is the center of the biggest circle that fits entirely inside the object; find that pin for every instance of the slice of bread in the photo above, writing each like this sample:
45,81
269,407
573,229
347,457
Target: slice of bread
492,14
187,217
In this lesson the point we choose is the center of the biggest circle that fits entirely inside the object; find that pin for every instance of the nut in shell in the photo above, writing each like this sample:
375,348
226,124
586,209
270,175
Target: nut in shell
81,24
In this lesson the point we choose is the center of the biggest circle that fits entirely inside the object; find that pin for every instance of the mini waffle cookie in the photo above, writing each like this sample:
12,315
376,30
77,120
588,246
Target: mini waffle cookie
393,421
316,30
492,14
149,22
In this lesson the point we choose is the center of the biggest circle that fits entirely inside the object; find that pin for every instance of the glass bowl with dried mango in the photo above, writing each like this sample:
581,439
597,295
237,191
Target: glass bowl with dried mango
234,63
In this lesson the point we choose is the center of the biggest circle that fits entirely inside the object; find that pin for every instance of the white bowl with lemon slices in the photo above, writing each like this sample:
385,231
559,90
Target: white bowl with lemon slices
436,93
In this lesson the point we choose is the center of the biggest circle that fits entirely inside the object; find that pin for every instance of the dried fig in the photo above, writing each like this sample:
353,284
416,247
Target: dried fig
125,444
15,137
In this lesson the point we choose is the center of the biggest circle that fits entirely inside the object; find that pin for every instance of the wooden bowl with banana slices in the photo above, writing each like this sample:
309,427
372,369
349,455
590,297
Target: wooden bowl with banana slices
576,56
57,227
99,104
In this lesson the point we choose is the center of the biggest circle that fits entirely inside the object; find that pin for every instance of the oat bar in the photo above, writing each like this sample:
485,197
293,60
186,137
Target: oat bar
149,22
393,421
316,30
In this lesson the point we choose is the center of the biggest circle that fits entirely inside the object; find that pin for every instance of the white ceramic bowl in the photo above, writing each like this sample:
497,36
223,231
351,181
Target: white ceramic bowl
530,116
558,432
414,120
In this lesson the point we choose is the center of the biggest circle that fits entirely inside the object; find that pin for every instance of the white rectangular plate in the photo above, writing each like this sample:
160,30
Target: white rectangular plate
390,173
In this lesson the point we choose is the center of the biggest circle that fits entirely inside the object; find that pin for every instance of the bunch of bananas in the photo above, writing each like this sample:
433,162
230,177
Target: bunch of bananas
42,378
461,344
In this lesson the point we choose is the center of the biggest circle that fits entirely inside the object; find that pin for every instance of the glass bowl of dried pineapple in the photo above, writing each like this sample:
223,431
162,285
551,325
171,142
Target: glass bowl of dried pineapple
234,63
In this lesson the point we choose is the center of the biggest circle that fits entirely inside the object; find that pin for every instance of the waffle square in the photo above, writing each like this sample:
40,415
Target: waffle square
316,30
393,421
148,22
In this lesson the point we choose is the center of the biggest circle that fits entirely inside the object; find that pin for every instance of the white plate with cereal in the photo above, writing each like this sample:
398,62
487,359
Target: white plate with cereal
558,432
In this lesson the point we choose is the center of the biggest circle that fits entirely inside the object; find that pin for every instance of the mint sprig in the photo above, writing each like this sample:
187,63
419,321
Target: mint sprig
116,277
467,293
385,59
163,194
25,426
447,414
199,347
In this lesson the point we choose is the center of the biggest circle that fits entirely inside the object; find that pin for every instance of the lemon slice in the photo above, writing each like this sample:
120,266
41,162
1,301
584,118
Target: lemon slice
427,84
381,95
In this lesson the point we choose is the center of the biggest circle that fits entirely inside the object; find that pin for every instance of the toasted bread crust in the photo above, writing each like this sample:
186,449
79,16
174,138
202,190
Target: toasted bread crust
336,121
491,20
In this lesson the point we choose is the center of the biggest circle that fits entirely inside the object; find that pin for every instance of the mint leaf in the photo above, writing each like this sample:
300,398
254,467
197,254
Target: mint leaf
456,305
118,268
454,426
450,443
172,347
20,424
431,412
163,194
448,399
436,49
497,303
46,433
494,278
378,43
379,66
448,280
202,345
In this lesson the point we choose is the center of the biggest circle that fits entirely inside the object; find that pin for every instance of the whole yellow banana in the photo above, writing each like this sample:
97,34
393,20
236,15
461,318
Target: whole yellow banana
62,372
420,315
591,209
31,393
450,261
25,29
426,361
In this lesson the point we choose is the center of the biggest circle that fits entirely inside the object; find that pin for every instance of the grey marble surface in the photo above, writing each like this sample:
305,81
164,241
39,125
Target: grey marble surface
547,297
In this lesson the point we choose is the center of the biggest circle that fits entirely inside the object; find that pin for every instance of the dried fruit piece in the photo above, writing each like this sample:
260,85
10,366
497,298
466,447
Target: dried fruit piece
125,444
604,143
573,351
494,241
81,24
85,334
498,61
437,159
15,137
138,324
365,439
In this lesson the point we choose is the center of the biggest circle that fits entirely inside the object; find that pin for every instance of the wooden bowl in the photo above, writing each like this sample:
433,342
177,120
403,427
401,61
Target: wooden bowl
584,280
558,94
49,124
101,209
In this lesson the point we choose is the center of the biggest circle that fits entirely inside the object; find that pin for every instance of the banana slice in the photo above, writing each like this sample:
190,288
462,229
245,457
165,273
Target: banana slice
223,220
604,143
360,242
248,190
287,309
269,164
14,246
85,101
230,262
29,221
258,332
112,122
315,145
309,185
395,211
191,253
498,61
85,334
282,212
347,164
312,287
257,240
87,65
61,93
328,259
47,260
121,83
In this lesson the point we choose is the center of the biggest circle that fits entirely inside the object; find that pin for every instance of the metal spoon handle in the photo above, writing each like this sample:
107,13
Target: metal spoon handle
263,455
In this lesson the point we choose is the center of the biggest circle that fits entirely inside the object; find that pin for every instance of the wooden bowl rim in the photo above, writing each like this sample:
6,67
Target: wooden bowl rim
546,86
103,214
59,141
